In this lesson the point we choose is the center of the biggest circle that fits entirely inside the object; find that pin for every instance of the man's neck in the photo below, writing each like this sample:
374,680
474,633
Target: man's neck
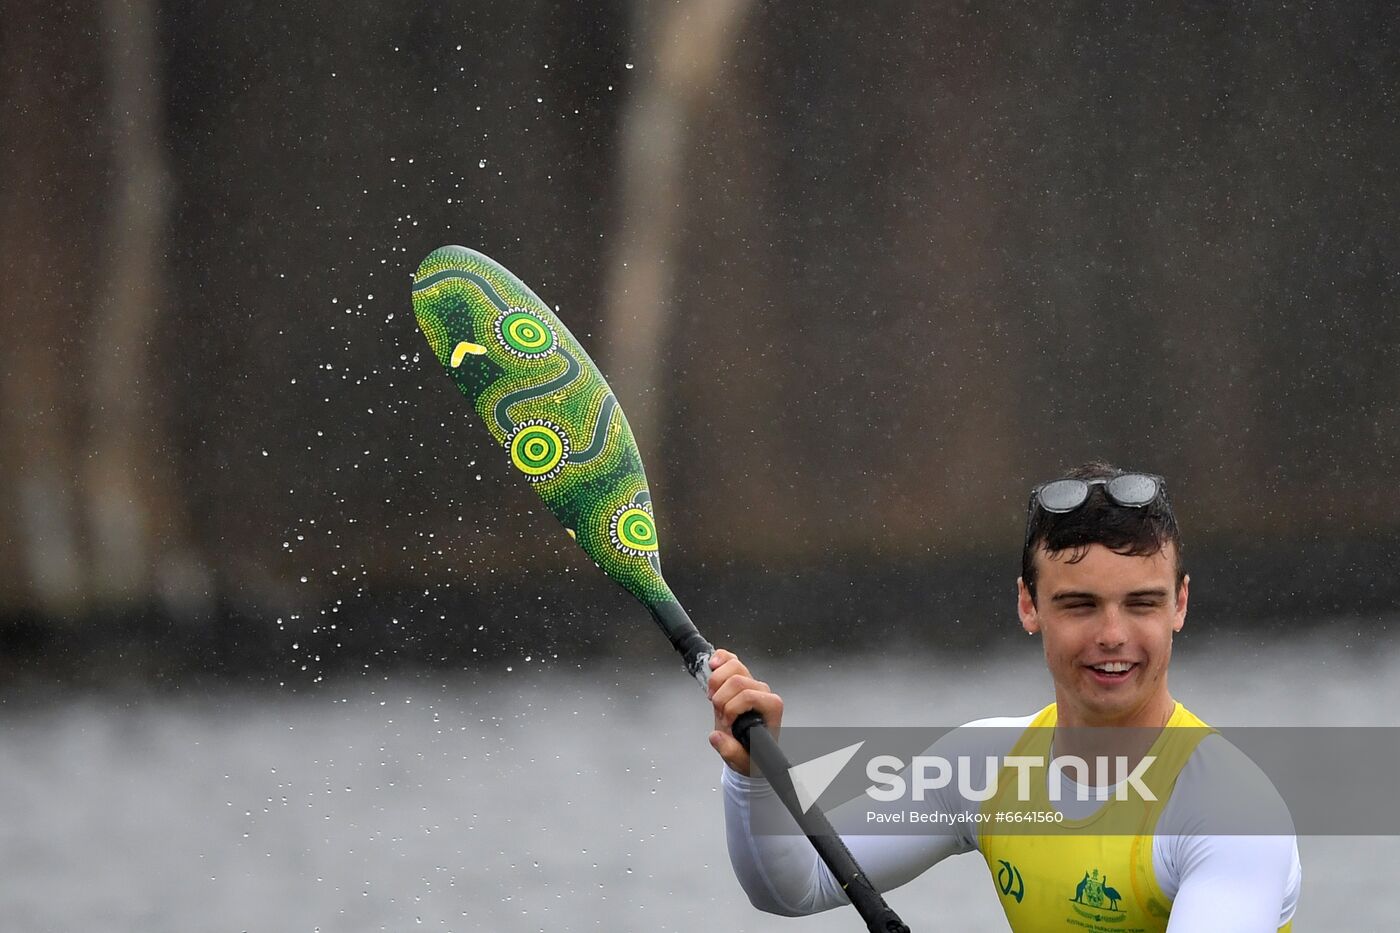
1153,714
1091,737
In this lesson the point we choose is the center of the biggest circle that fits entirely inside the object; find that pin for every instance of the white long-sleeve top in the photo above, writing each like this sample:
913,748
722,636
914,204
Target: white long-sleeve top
1242,883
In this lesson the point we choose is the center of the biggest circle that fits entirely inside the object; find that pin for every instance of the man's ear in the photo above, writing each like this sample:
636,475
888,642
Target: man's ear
1182,596
1025,608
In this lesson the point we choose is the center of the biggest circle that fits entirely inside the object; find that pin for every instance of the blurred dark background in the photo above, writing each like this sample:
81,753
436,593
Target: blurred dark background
859,275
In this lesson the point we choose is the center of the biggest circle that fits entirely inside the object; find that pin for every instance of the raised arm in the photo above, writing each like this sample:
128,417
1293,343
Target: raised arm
781,873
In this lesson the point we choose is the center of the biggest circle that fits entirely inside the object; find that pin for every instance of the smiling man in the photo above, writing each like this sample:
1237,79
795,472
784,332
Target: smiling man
1103,585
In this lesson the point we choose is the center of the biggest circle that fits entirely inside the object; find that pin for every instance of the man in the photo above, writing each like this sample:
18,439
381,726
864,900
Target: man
1103,586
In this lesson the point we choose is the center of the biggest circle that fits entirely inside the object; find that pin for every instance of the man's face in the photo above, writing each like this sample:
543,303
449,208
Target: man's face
1107,623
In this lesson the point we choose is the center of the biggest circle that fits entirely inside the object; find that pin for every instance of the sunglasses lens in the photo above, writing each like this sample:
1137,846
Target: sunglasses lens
1063,495
1132,489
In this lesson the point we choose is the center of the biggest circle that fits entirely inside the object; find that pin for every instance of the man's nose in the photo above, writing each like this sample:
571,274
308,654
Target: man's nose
1111,632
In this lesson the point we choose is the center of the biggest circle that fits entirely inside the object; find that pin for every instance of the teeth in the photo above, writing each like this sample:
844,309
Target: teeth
1113,667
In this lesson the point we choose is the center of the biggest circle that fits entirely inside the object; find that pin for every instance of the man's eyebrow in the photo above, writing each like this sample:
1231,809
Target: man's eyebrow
1073,594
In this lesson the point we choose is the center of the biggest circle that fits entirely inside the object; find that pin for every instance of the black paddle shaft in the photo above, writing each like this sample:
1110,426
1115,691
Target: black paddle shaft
763,750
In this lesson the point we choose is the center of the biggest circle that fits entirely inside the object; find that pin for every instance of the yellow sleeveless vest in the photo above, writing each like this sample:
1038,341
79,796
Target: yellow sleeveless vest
1069,880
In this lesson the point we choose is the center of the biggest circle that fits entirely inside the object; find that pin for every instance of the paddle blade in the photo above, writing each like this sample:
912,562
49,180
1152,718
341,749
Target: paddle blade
545,402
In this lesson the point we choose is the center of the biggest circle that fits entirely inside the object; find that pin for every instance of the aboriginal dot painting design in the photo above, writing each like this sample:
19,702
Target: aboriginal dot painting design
538,449
524,335
547,405
632,531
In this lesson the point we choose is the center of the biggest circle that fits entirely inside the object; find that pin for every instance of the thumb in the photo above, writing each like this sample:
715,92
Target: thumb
730,750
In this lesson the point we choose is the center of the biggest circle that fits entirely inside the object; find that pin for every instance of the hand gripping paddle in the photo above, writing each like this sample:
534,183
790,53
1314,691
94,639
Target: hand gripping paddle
545,402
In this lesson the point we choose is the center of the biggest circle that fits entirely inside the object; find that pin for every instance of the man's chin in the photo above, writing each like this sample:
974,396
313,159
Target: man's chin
1108,705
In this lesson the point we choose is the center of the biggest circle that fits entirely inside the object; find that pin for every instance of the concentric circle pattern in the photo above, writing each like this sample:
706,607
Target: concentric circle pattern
547,406
525,335
633,531
539,449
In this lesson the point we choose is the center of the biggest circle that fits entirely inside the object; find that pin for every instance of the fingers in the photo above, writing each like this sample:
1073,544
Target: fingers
727,669
721,657
741,693
724,666
734,691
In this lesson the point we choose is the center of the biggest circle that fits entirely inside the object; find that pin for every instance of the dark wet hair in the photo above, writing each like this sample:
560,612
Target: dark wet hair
1133,532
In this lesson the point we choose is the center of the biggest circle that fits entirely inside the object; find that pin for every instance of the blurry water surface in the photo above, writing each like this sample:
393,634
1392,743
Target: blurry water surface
537,799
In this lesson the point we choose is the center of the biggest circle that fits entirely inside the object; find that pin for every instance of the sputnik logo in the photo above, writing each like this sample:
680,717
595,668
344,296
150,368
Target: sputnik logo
811,778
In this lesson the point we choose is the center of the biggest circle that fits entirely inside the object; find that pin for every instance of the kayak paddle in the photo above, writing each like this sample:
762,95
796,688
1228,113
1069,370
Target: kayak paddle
545,402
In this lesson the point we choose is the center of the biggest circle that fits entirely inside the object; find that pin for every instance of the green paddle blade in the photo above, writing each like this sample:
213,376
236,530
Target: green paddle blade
545,402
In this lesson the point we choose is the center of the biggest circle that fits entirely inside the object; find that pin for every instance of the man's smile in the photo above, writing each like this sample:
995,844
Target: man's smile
1111,672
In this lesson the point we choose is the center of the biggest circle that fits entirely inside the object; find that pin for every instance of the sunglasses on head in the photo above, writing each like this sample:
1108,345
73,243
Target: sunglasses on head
1131,490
